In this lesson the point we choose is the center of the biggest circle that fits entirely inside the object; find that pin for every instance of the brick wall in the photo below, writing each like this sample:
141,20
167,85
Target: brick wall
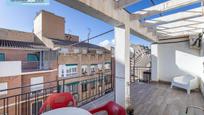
50,75
13,81
15,54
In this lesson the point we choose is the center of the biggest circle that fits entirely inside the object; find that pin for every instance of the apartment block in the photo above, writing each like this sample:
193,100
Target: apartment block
47,61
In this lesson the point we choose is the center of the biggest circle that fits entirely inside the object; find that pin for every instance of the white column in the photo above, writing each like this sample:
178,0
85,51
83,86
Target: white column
202,47
122,66
155,62
40,63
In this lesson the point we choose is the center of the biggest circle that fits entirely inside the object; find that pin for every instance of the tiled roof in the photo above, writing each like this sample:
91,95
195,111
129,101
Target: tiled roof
20,44
81,44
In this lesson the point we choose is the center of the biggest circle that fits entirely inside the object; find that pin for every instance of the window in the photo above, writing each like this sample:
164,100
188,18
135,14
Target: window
62,73
33,57
93,68
74,88
2,57
71,87
36,80
100,66
71,69
107,79
67,70
84,87
84,69
3,86
107,65
74,70
100,81
92,84
35,107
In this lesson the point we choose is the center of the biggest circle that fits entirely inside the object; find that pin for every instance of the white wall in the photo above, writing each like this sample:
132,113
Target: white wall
154,62
10,68
175,59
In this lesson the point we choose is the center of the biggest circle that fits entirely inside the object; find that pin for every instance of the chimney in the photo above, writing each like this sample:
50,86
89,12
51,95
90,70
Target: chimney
49,25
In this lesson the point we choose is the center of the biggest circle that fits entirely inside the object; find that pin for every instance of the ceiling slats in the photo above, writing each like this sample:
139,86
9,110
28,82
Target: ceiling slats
163,7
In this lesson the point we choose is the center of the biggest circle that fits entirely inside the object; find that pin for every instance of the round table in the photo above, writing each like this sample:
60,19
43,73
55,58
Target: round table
68,111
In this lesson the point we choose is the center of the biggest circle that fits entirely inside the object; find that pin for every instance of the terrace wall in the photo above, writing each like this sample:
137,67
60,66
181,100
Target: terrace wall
11,55
172,59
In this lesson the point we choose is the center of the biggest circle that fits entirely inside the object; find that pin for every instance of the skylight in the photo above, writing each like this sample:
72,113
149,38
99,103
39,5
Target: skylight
143,4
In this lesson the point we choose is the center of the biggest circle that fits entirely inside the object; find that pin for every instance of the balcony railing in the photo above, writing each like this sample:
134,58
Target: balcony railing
33,65
28,66
25,100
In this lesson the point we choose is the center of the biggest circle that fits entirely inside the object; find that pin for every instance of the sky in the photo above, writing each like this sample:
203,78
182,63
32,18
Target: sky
20,17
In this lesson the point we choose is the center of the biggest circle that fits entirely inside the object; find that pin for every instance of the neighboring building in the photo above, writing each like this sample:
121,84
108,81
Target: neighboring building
23,62
45,57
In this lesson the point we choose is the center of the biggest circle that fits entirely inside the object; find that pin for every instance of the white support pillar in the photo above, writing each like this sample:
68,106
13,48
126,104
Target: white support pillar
122,66
155,62
202,47
40,63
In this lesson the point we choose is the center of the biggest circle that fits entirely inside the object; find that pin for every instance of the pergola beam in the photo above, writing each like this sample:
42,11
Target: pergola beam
185,15
160,8
177,26
180,31
125,3
191,23
172,21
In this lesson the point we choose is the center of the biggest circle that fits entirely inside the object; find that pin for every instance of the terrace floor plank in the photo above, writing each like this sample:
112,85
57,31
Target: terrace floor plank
160,99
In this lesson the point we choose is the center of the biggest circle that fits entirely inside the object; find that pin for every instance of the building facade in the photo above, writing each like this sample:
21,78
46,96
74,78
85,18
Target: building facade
48,60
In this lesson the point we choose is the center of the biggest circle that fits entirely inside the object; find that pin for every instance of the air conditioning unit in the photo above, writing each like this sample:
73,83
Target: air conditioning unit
195,40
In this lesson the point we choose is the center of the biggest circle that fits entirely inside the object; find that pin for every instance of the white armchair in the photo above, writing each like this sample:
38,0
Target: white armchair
187,82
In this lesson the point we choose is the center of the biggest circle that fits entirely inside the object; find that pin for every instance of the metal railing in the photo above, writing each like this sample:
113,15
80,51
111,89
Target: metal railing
28,66
27,101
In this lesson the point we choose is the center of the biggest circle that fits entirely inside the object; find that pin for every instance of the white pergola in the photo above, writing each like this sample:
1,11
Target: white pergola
162,28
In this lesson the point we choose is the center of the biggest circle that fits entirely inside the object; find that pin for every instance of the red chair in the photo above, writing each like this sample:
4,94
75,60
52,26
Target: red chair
58,100
111,108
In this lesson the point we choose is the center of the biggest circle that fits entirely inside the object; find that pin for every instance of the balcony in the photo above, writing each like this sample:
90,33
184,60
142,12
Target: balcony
23,100
147,98
30,66
13,68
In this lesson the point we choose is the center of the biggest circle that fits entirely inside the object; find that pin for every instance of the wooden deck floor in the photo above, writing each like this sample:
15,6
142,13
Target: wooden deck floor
160,99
